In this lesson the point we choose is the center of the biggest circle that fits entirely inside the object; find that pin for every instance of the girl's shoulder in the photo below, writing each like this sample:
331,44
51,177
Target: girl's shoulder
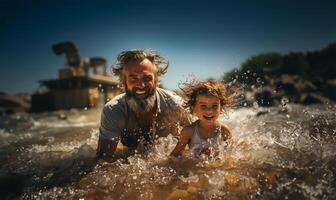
188,130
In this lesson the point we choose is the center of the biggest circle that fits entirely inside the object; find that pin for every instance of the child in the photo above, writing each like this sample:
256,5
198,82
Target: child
206,100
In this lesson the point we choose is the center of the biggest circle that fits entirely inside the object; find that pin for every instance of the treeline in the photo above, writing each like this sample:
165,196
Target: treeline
304,78
316,66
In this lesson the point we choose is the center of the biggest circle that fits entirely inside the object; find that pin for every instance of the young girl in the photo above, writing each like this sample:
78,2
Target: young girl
206,100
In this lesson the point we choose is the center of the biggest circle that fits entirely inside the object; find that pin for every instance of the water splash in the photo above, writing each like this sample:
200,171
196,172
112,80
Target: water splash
275,153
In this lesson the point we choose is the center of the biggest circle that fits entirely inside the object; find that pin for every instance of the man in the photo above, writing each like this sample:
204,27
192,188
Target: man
145,111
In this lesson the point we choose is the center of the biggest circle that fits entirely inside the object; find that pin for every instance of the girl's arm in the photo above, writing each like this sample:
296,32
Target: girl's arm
182,142
226,133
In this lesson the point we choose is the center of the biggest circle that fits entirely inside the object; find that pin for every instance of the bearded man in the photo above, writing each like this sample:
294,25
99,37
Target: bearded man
145,111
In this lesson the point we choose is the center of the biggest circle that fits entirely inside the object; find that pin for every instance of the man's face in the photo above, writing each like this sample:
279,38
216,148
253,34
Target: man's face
139,79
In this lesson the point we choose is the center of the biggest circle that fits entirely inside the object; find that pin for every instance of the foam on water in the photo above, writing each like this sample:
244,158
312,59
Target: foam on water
275,153
4,134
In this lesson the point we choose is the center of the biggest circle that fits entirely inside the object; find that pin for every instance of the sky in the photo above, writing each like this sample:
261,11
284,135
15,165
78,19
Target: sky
202,39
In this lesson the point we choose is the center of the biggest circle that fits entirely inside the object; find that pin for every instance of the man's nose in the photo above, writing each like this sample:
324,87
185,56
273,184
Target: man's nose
141,84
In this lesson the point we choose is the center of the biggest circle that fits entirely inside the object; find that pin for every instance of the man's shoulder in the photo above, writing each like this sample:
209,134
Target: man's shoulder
116,100
118,103
169,97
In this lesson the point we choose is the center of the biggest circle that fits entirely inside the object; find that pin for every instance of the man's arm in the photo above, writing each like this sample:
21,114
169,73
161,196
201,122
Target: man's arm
106,148
109,132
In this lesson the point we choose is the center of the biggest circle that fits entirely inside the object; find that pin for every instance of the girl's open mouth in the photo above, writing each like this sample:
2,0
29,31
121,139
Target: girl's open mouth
207,117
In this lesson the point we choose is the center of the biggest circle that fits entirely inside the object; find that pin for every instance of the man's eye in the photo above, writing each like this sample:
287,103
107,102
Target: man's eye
148,78
214,106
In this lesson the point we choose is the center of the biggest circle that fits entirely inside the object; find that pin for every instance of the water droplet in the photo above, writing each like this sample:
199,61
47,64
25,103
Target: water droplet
284,101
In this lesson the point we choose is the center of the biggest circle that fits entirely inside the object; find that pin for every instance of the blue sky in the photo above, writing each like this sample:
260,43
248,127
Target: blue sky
200,38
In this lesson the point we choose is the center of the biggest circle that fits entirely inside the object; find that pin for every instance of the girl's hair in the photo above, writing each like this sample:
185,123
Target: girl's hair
212,87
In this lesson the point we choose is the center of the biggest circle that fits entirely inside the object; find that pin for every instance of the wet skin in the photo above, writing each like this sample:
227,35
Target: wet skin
139,78
207,109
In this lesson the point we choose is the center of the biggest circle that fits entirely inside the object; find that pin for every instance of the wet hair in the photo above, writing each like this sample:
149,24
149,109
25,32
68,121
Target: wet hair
126,57
212,87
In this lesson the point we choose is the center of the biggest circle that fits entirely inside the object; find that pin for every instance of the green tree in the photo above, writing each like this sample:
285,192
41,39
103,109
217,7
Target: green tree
295,63
254,68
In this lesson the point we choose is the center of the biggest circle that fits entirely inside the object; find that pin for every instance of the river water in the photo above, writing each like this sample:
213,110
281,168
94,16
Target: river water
286,152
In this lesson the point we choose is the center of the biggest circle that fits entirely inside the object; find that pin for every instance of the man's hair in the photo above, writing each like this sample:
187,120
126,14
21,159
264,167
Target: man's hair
126,57
212,87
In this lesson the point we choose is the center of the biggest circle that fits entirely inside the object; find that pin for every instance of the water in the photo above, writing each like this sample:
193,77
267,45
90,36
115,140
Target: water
286,152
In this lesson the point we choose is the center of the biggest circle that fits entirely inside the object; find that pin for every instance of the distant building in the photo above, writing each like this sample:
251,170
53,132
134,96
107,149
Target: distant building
83,83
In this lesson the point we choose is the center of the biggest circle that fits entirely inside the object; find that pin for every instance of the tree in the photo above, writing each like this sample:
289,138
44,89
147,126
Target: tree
255,68
295,63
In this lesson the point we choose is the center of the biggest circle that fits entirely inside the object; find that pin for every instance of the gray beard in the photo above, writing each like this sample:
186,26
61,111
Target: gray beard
141,105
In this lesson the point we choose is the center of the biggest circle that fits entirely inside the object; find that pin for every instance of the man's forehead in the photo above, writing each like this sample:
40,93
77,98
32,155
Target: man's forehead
146,62
141,66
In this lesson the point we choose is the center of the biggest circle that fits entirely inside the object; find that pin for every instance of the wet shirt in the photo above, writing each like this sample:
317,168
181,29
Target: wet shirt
204,148
118,122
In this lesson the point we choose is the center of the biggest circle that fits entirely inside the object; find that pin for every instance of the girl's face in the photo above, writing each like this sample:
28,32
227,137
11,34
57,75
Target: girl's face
207,108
